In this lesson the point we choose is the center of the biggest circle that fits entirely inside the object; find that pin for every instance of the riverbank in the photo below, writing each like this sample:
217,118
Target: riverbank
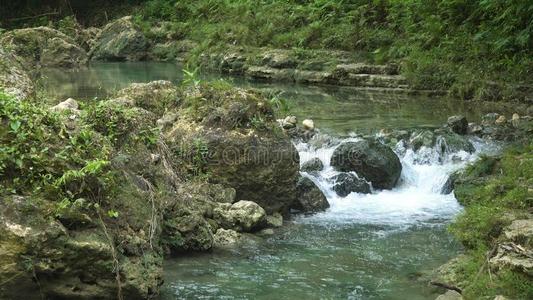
470,57
85,176
495,227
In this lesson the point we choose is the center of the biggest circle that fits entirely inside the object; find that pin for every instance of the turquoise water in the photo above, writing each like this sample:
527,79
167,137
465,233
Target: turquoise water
334,109
363,247
316,261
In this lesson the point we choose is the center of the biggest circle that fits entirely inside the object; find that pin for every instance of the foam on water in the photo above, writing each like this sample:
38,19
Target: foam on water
416,200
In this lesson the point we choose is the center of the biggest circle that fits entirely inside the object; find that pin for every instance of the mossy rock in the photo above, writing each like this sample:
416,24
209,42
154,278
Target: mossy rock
120,40
44,46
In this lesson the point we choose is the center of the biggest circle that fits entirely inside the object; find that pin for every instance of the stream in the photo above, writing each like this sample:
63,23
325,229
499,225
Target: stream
374,246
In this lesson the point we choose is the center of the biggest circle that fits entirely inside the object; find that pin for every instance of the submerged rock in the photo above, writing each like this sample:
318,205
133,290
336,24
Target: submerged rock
310,197
312,165
120,40
370,159
44,46
346,183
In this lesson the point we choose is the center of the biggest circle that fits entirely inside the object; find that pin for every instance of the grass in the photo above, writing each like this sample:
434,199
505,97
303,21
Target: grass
494,191
475,49
478,50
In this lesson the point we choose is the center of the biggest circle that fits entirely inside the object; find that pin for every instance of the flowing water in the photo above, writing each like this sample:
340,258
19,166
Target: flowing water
373,246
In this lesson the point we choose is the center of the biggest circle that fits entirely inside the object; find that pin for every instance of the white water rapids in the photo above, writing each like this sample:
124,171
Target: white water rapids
416,200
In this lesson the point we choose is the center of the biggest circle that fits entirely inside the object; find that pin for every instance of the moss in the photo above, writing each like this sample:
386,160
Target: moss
219,104
495,191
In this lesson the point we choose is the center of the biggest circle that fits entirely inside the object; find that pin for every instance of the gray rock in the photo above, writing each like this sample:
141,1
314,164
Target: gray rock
452,143
279,59
187,231
248,215
69,105
346,183
520,231
458,124
310,197
312,165
513,256
242,216
120,40
502,120
370,159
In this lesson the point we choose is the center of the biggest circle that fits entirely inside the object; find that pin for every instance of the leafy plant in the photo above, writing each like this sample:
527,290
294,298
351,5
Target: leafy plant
190,77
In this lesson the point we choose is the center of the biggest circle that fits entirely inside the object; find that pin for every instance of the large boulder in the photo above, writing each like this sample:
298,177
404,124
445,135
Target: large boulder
231,136
14,81
44,46
370,159
38,253
346,183
120,40
310,197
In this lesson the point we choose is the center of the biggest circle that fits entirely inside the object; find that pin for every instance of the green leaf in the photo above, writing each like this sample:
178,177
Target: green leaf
15,125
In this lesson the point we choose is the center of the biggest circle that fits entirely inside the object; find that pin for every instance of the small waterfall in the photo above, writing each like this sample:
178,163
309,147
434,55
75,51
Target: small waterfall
417,198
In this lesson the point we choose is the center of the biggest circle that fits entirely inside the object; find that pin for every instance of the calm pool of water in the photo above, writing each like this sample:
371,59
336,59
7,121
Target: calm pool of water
340,110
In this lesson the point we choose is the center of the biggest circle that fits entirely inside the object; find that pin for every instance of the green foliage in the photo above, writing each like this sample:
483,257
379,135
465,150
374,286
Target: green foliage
194,156
121,123
68,26
28,136
280,105
190,76
494,192
442,44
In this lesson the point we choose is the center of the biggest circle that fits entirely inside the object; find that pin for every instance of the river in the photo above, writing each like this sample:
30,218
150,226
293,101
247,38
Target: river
374,246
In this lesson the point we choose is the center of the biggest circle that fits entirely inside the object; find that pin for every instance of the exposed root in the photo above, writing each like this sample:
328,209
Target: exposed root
153,218
116,263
